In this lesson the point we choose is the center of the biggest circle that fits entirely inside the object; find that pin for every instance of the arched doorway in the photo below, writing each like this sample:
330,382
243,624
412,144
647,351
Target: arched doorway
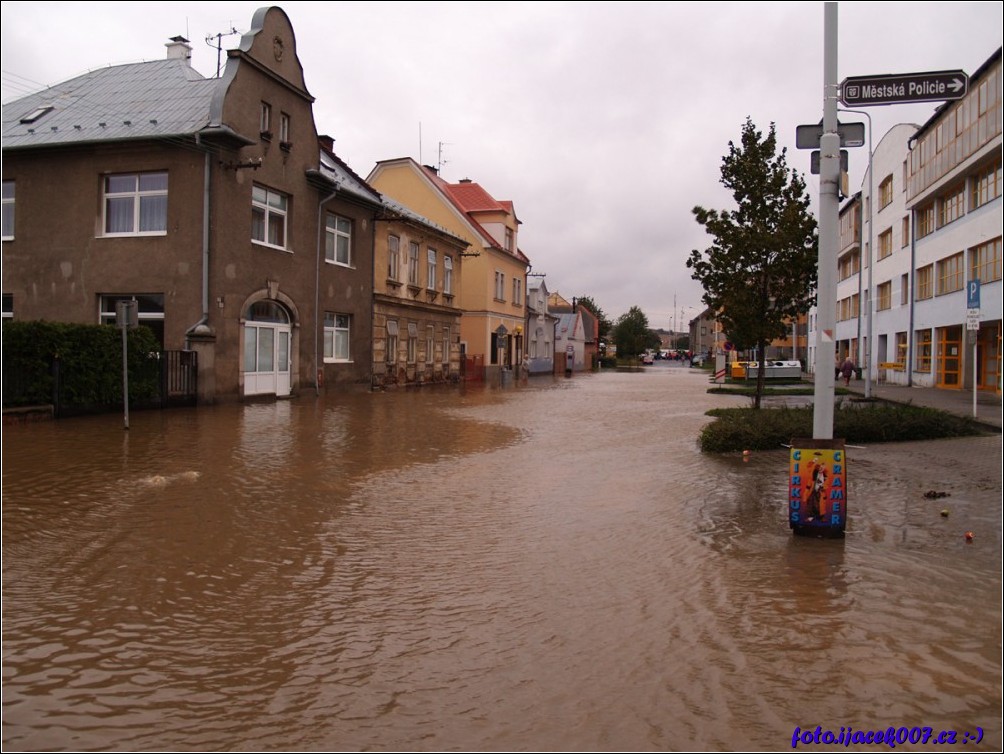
266,351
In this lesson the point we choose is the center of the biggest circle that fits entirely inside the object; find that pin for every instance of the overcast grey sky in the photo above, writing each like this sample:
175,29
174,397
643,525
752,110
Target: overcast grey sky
604,123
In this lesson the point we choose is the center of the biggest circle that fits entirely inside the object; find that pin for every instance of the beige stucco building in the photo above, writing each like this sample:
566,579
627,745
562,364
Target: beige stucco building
493,295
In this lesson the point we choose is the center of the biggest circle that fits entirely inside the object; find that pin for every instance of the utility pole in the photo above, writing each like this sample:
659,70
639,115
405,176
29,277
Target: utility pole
829,235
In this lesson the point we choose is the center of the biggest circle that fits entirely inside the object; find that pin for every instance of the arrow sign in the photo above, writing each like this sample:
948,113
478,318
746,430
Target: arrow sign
893,89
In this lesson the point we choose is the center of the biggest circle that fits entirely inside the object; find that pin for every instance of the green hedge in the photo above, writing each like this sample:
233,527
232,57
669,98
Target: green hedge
89,364
738,429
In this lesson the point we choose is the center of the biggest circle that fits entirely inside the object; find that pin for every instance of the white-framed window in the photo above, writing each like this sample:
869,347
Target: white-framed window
393,257
508,240
8,306
150,307
447,276
446,348
8,210
499,285
430,280
283,127
268,217
338,240
430,345
517,291
337,328
135,204
412,342
412,263
392,341
265,120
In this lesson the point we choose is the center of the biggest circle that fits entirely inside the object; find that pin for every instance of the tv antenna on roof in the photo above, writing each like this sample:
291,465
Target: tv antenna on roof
441,161
219,44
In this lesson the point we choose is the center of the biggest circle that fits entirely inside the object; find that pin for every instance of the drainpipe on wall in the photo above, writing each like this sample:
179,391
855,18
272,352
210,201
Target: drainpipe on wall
317,287
202,326
913,297
373,235
913,275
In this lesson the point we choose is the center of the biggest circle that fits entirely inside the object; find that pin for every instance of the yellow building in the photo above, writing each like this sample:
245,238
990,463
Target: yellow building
493,293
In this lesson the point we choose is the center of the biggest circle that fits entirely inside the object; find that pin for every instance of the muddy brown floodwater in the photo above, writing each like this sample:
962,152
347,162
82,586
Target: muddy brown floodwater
552,566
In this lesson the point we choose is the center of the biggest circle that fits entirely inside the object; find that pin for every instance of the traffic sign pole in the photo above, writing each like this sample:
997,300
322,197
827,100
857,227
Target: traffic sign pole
829,236
973,326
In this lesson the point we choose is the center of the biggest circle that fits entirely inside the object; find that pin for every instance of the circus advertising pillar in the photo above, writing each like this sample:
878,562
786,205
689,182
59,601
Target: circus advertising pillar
817,487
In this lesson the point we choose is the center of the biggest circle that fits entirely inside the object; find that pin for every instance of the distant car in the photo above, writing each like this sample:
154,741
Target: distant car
697,360
647,358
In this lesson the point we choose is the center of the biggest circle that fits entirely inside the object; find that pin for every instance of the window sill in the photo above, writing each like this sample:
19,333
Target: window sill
146,234
391,282
270,246
328,360
414,289
339,264
285,146
431,295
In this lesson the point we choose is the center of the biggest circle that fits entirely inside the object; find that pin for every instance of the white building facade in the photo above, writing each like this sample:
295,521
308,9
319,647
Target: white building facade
914,241
953,174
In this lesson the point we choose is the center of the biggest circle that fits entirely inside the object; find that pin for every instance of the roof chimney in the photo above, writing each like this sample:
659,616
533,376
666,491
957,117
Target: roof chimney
327,143
179,49
431,169
465,180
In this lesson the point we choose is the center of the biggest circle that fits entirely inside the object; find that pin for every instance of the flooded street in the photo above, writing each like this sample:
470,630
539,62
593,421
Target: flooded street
552,566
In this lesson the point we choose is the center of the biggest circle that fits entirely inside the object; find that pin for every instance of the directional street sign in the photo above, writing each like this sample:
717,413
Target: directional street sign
894,89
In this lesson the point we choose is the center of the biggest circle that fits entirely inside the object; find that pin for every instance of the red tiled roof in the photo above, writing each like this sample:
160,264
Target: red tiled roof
471,197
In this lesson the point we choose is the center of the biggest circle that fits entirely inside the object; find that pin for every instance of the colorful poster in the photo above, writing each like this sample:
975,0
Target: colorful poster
817,486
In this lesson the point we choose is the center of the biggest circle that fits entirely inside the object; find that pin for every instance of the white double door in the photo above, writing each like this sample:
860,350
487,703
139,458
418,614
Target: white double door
266,358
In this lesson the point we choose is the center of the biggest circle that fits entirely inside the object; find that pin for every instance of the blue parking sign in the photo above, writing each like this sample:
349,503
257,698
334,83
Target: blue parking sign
973,294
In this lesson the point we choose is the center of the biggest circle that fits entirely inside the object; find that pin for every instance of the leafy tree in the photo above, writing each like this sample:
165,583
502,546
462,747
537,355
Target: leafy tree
632,334
604,323
761,270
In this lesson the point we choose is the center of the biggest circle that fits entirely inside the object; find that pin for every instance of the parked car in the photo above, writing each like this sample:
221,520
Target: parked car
647,358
